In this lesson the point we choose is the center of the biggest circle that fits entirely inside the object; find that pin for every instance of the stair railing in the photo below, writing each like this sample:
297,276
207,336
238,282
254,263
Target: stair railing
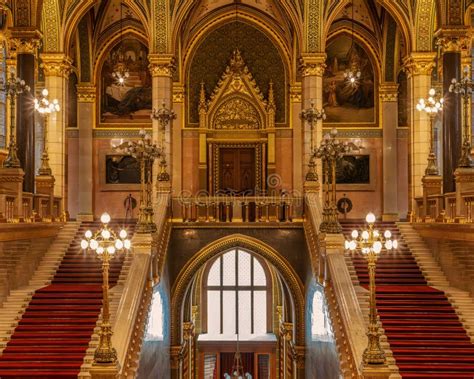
328,263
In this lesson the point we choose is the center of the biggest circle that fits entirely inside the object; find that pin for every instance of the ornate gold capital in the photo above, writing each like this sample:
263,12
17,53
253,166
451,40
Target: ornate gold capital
56,64
24,40
313,64
419,63
453,40
388,92
86,93
178,94
295,94
161,65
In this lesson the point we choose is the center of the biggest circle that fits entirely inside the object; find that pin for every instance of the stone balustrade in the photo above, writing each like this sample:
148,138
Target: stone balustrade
238,209
445,208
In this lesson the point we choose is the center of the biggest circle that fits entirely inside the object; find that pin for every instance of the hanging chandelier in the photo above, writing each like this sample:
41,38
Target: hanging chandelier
352,74
120,70
237,371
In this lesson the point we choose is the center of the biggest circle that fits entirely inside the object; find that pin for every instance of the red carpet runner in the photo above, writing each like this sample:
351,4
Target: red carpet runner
54,333
424,331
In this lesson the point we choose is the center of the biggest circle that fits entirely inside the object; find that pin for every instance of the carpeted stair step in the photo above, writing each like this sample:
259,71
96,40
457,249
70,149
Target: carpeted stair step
39,374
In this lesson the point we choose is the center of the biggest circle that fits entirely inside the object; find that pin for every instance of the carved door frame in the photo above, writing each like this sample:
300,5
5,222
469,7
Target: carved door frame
214,157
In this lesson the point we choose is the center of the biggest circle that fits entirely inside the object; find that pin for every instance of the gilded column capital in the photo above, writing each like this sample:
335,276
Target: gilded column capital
56,64
312,64
86,93
162,64
388,92
296,94
174,356
419,63
24,40
178,94
453,39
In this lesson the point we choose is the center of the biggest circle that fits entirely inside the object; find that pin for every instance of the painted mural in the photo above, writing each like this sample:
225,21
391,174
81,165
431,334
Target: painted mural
346,102
129,102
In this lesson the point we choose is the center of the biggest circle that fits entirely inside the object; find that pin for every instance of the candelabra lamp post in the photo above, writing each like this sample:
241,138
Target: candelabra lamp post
105,243
432,106
45,108
311,115
370,242
164,116
145,152
13,87
330,151
464,87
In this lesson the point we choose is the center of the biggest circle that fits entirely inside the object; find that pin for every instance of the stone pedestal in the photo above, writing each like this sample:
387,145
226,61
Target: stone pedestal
11,186
45,186
464,178
104,371
376,372
432,185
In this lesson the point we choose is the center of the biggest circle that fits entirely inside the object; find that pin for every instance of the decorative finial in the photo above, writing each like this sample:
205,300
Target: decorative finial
202,98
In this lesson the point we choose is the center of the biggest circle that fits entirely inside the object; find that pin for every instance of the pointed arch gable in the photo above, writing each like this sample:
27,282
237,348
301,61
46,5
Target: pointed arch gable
212,250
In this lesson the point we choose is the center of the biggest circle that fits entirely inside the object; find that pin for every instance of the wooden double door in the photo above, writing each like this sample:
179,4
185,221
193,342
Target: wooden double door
237,170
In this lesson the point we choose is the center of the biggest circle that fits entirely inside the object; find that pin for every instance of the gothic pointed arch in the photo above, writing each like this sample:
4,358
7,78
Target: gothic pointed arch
216,248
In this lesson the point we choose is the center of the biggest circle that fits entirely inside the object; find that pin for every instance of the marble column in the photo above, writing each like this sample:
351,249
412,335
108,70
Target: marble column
452,115
86,107
57,67
312,70
298,163
419,66
389,115
176,139
162,67
25,44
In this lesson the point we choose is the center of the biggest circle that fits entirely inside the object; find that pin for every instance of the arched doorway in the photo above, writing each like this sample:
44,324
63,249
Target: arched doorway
236,295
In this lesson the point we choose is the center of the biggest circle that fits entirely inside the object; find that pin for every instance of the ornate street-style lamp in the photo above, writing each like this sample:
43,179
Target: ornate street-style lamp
464,87
13,87
370,242
164,116
311,115
105,243
330,151
432,105
44,107
145,152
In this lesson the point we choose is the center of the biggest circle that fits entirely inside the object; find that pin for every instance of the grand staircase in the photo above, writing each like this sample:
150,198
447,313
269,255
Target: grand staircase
420,324
54,332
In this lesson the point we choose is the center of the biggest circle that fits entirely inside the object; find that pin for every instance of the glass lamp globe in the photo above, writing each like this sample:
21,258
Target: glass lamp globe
370,218
123,234
389,245
127,244
93,244
105,218
84,244
100,250
355,234
111,249
45,92
347,244
395,244
88,234
105,234
119,244
377,247
365,235
387,234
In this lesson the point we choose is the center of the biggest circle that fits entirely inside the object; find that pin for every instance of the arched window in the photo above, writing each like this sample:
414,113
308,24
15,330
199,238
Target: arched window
155,321
320,325
237,292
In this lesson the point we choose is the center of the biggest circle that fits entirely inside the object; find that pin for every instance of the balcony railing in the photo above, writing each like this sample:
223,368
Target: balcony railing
448,207
281,209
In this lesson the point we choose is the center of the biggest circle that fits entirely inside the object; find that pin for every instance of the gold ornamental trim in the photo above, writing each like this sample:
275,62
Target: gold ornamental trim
388,92
454,40
419,63
86,93
162,65
24,41
56,64
312,64
220,246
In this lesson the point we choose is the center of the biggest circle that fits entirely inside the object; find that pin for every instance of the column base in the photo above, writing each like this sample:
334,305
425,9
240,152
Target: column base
390,217
85,217
109,371
376,372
